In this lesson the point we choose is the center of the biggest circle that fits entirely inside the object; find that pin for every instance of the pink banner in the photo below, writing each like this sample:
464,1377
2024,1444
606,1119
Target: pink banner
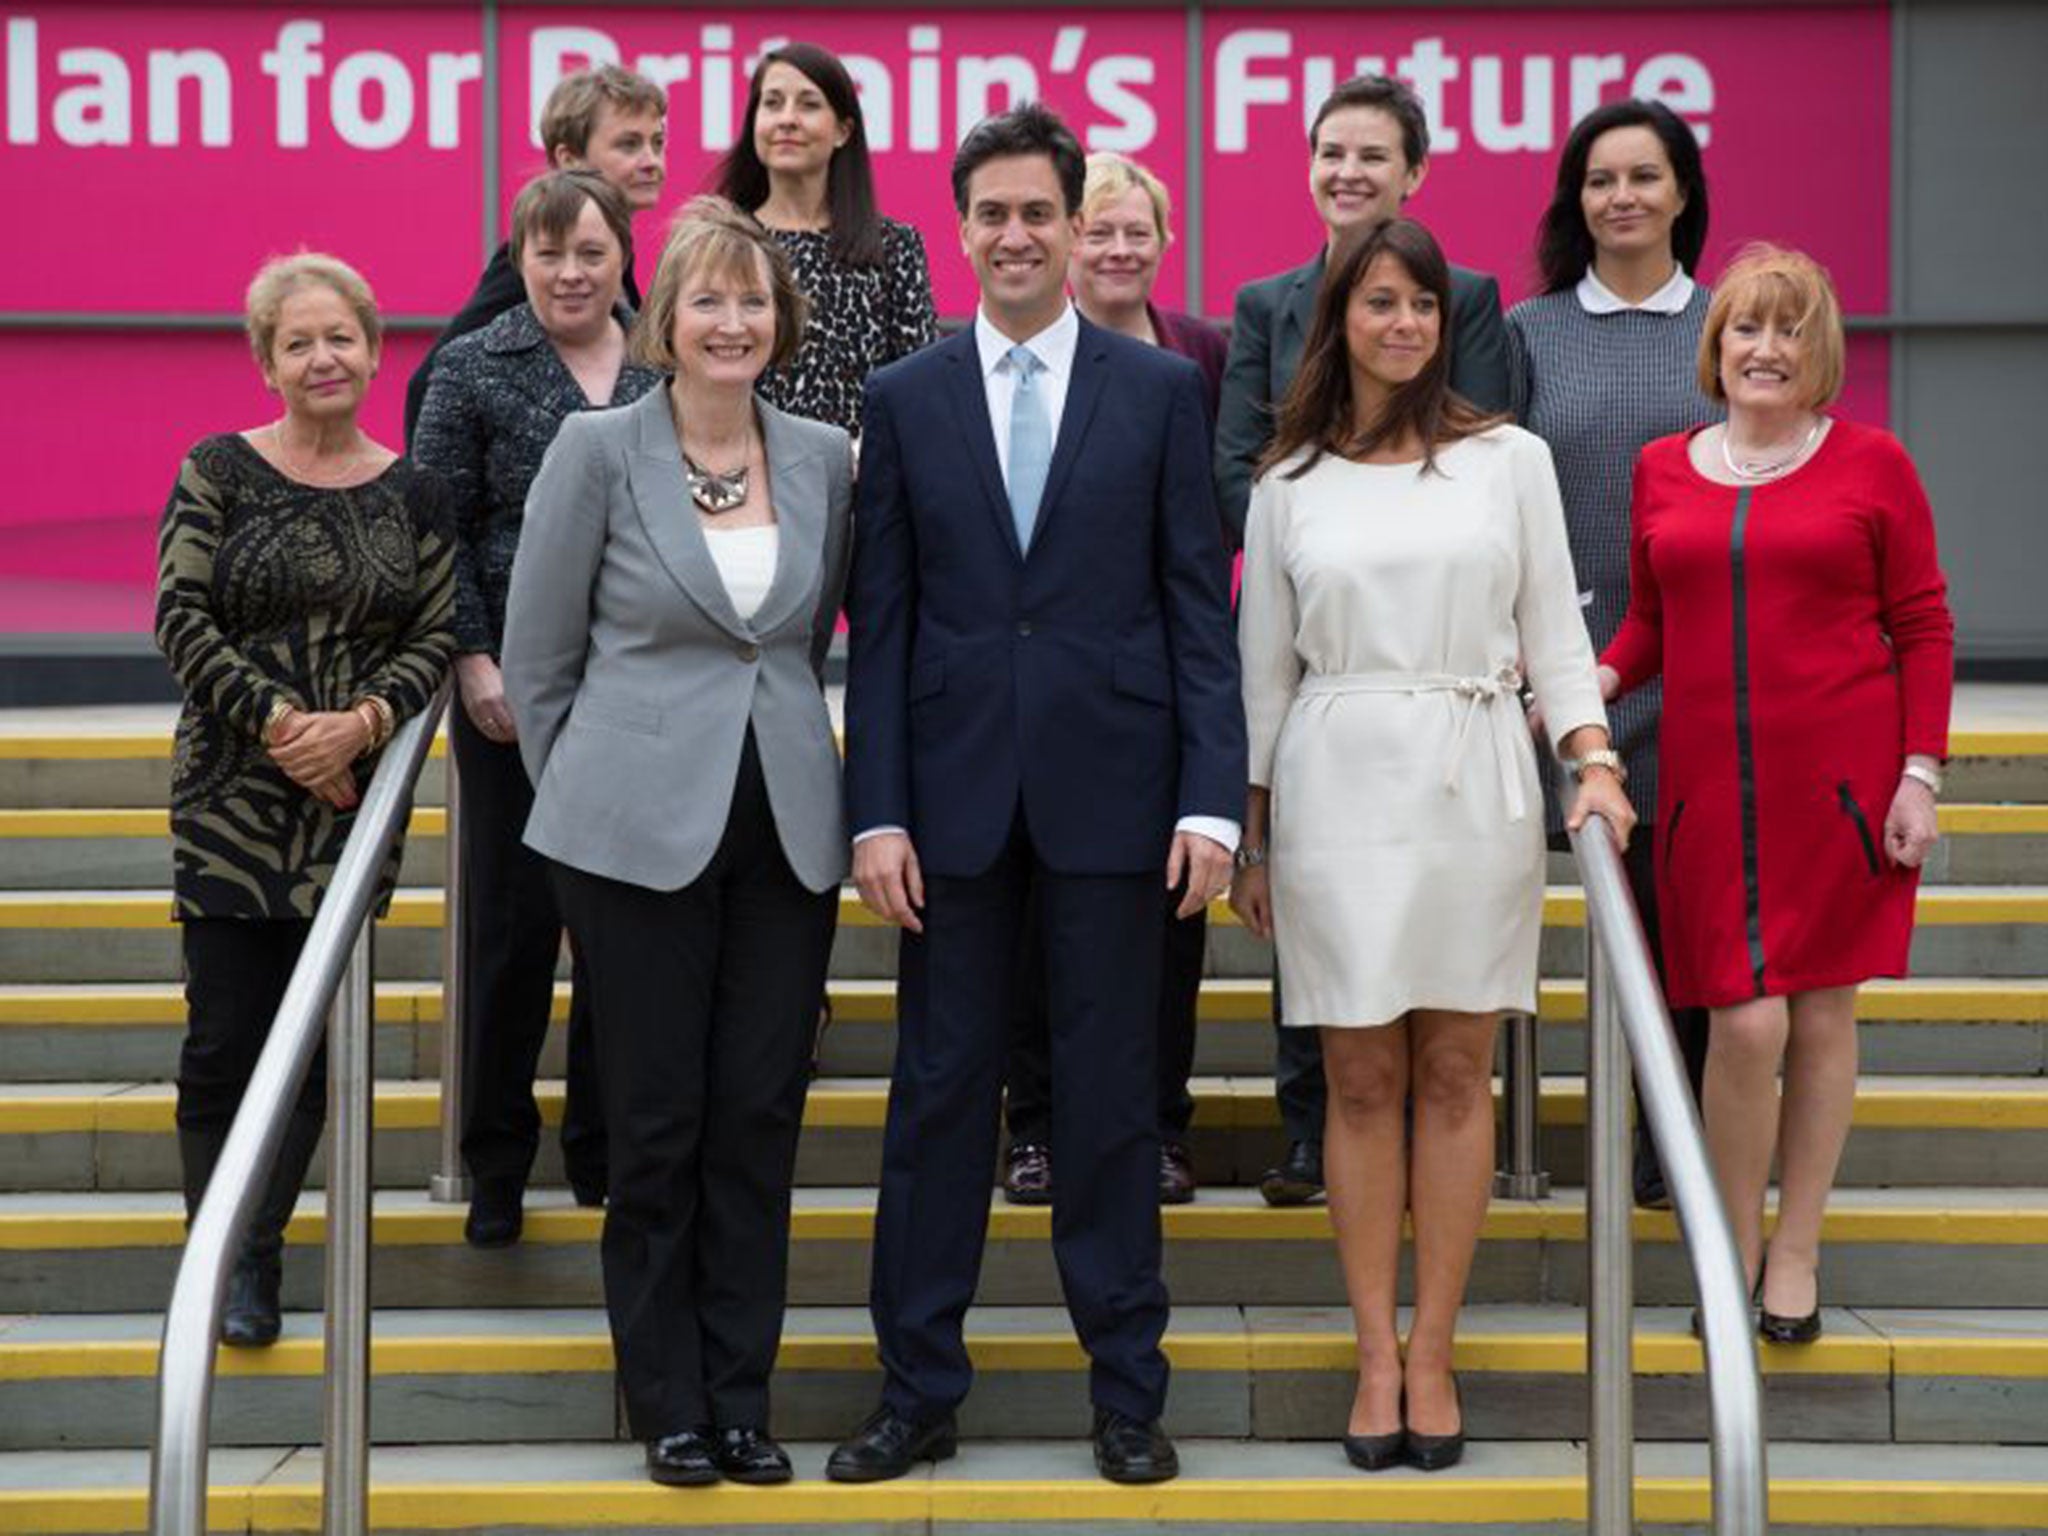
203,138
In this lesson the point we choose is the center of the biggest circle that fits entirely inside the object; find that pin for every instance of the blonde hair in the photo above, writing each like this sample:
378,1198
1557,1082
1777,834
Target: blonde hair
282,276
1111,175
1772,282
570,116
712,234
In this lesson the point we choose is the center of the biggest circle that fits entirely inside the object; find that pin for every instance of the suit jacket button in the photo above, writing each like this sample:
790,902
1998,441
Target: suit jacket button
1024,629
749,652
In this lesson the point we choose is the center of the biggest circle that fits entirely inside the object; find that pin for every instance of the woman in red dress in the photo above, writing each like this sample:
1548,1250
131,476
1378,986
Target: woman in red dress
1785,585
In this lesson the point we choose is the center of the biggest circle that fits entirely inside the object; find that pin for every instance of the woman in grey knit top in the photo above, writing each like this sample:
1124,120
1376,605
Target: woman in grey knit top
1601,362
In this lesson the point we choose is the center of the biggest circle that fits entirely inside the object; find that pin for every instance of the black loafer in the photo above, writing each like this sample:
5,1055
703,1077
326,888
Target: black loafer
749,1455
252,1319
888,1445
1132,1450
1297,1178
1176,1174
686,1459
496,1215
1027,1179
1433,1453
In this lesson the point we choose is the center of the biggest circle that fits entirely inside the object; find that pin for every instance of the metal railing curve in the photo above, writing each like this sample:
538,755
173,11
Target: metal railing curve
330,990
1626,1017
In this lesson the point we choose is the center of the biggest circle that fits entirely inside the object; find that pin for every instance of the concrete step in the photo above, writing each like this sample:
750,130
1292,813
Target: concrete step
1910,1132
124,848
130,1031
1266,1373
96,936
1255,1489
116,1252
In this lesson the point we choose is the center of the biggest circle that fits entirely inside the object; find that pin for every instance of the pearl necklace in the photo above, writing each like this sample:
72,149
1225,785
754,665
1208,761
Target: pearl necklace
1766,469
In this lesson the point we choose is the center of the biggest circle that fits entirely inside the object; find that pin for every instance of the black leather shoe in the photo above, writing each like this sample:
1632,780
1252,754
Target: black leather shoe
1375,1453
1176,1174
1133,1450
1027,1179
1298,1178
496,1215
1433,1453
1773,1329
588,1190
685,1459
251,1319
1648,1173
888,1445
749,1455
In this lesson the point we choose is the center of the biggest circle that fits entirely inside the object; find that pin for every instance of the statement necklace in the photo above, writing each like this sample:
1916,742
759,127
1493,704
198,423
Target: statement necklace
1765,469
716,492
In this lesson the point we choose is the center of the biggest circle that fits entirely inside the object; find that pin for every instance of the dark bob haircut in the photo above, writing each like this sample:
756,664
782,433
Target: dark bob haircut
1383,93
1564,246
550,204
856,234
1031,129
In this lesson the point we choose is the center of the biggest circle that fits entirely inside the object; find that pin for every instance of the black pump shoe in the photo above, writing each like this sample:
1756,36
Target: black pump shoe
251,1319
1375,1453
1773,1329
749,1455
685,1459
1433,1453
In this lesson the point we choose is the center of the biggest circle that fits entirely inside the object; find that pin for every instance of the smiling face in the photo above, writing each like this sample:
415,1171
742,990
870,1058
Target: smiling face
796,132
1630,196
572,279
724,330
1391,329
1116,260
629,150
1763,363
1358,171
320,360
1019,236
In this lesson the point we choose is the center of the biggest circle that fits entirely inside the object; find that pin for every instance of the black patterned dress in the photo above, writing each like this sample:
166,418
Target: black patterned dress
861,318
271,589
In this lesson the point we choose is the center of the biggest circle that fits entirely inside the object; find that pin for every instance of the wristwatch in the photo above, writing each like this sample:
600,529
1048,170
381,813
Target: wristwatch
1600,757
1248,858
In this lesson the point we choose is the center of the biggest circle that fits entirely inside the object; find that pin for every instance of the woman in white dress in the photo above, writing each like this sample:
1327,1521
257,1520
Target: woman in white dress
1405,557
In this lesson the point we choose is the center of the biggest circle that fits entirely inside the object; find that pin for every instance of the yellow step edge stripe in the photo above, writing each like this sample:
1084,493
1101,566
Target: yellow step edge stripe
2015,1357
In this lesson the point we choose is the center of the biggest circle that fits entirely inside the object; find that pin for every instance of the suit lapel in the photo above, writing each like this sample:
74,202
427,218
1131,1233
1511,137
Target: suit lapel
796,487
1300,312
1084,390
654,470
969,394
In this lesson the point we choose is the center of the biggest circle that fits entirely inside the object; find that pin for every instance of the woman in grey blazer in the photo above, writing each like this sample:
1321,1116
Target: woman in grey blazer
671,603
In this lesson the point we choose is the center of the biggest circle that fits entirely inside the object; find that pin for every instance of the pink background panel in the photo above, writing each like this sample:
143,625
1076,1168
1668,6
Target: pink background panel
181,228
1799,151
1063,48
109,417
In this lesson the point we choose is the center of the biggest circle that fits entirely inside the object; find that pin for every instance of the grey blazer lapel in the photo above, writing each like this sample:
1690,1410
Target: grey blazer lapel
654,471
799,489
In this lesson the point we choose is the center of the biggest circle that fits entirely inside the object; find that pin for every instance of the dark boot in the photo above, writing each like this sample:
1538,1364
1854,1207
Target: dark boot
253,1317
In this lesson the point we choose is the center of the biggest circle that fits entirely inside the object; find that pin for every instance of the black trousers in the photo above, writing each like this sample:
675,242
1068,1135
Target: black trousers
1102,946
707,998
1028,1090
513,938
1298,1068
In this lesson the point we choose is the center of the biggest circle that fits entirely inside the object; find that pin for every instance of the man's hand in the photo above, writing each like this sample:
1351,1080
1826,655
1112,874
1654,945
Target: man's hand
891,884
1204,863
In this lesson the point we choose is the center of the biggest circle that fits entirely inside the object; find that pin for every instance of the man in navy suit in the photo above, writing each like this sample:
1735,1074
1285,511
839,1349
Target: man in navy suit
1042,694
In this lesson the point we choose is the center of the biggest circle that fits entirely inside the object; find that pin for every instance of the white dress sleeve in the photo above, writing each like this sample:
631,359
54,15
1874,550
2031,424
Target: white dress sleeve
1268,616
1548,620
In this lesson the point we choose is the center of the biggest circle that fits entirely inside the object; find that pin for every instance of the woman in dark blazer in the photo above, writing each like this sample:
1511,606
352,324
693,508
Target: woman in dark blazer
670,608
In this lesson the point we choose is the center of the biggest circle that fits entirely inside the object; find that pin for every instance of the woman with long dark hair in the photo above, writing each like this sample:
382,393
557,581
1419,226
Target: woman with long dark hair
801,167
1402,551
1602,362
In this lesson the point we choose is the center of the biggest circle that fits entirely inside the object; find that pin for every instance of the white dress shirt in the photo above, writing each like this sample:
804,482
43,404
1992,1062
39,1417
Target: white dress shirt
1054,347
1596,298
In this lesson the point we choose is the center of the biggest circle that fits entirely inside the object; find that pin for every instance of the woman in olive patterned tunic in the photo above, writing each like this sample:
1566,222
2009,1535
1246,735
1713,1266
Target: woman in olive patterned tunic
305,600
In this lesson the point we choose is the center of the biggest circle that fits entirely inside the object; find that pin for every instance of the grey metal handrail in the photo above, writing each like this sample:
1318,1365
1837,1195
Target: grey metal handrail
1625,1015
333,977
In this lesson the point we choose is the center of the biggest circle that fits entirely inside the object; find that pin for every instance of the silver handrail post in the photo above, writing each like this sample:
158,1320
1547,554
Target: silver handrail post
1522,1177
450,1184
1610,1319
345,1453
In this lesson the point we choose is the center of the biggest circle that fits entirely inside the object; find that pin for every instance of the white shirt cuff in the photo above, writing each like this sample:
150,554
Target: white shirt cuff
861,837
1218,829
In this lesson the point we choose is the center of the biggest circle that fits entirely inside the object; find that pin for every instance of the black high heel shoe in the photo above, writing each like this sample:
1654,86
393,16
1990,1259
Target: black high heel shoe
1376,1453
1433,1453
1773,1328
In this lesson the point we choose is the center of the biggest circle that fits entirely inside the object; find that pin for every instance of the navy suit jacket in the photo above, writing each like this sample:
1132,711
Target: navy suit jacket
1093,678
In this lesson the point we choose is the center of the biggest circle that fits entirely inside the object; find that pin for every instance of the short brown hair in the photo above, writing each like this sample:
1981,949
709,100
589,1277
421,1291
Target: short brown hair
282,276
1110,175
570,116
713,234
1769,281
552,202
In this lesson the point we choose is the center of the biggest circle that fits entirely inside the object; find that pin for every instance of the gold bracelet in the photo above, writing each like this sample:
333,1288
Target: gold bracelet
380,720
279,708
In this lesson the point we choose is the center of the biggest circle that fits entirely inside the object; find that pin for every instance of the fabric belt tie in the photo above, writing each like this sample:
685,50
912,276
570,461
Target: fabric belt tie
1494,692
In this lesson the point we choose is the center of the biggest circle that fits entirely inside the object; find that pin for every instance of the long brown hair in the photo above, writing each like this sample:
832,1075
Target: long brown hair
1317,412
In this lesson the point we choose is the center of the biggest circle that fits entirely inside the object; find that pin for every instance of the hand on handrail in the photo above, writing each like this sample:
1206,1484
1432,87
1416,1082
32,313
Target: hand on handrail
1600,794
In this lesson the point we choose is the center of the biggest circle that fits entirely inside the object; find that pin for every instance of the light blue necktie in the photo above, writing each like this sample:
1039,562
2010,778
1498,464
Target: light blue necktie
1030,443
